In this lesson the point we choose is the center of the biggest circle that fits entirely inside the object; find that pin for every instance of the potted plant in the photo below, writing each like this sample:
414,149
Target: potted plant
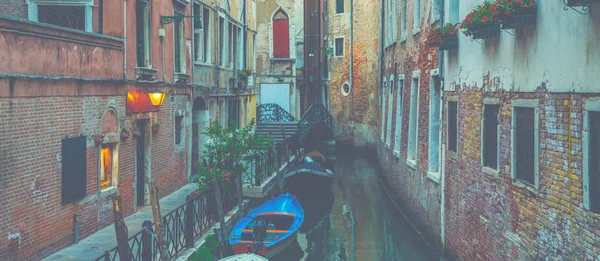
514,13
445,38
99,139
155,127
482,22
124,134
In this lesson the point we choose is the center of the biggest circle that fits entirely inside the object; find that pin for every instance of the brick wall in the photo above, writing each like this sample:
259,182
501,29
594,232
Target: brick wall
30,162
356,114
493,217
17,8
419,195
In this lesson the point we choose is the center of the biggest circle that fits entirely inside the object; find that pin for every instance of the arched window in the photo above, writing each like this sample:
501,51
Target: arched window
281,35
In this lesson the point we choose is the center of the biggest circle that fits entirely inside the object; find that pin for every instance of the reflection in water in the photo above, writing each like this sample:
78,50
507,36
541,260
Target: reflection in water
356,222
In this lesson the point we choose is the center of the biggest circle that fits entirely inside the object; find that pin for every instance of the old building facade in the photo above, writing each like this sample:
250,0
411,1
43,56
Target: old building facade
491,145
278,53
408,148
521,168
353,63
78,124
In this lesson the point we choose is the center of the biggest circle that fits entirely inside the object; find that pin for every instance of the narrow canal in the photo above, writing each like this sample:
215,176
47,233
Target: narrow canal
358,223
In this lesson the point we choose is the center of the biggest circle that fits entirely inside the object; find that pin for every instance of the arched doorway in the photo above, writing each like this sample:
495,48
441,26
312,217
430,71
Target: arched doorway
200,121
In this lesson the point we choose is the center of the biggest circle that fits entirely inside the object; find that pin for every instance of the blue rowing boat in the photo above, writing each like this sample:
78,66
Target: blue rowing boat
281,218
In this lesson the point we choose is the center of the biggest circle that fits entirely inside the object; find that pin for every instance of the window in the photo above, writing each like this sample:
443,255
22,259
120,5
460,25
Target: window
417,17
399,103
179,46
453,14
489,139
435,11
222,41
403,19
388,136
234,43
202,34
591,156
453,126
231,46
77,14
391,22
178,129
281,35
73,165
413,124
345,89
383,93
339,6
142,33
434,124
525,141
339,47
107,165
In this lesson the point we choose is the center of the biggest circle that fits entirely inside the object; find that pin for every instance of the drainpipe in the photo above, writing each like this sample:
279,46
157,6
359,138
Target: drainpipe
443,147
125,39
381,34
245,37
351,44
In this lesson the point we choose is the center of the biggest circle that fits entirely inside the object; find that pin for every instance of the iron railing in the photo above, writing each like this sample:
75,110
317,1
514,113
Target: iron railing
316,114
271,112
181,227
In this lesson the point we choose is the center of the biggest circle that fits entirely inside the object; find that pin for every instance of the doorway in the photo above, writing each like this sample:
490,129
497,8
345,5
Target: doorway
276,93
141,162
201,121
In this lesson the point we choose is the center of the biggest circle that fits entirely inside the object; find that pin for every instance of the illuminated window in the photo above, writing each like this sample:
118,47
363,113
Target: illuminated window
107,165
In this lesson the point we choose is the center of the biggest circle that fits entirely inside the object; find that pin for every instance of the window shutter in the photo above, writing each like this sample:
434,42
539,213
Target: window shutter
73,169
281,38
339,6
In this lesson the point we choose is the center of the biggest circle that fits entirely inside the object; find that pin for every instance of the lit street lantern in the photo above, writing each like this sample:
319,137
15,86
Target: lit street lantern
157,97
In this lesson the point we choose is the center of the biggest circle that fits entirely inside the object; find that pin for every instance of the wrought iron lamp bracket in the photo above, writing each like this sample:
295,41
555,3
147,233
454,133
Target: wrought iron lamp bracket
585,8
164,19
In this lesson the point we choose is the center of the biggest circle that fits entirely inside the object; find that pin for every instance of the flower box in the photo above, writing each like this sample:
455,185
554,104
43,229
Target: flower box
482,22
444,38
514,14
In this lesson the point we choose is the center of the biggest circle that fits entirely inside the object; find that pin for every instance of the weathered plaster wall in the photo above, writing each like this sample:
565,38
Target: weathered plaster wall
533,55
93,56
356,114
266,68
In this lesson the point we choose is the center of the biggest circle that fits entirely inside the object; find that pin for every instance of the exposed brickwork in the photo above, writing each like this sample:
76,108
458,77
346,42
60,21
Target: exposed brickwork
419,194
355,114
505,219
17,8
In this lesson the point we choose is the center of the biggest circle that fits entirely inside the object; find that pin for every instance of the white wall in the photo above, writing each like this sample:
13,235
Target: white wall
562,50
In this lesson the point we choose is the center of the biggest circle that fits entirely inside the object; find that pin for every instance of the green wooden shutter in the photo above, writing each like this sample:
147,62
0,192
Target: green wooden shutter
73,169
339,6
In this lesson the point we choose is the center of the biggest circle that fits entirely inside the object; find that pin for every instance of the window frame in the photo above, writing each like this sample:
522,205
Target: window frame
147,35
343,47
487,169
534,104
388,135
202,52
179,25
413,134
416,17
434,174
383,116
32,10
181,128
447,132
115,166
399,111
593,105
435,11
403,26
343,6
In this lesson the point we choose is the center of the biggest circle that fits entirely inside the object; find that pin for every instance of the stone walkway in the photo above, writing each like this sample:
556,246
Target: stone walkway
104,240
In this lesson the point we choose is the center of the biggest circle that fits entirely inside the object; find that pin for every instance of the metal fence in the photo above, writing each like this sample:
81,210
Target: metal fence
181,227
185,224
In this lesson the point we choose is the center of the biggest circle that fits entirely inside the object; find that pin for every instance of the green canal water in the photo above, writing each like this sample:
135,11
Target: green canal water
358,223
